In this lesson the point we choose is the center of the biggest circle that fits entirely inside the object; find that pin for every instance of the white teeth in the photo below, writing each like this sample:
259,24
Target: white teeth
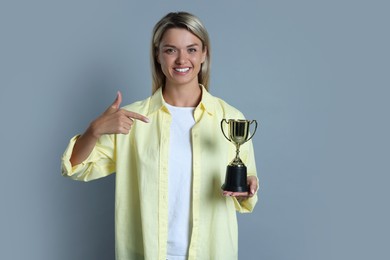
182,70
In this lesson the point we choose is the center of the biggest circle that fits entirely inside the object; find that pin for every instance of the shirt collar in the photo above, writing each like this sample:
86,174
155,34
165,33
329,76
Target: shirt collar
207,102
157,101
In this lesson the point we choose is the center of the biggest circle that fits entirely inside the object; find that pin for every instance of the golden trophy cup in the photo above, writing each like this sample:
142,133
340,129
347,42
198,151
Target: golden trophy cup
236,173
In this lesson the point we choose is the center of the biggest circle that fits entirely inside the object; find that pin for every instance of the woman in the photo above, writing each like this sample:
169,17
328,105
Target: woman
169,156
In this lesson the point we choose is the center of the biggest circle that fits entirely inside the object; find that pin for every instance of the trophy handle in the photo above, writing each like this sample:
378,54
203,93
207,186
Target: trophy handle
224,120
253,121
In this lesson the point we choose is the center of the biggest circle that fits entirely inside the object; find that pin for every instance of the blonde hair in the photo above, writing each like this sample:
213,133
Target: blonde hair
179,20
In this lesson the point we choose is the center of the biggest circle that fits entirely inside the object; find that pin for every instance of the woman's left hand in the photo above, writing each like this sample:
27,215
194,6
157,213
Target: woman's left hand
252,187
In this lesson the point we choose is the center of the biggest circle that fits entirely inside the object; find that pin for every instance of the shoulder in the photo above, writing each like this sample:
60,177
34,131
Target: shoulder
224,109
138,106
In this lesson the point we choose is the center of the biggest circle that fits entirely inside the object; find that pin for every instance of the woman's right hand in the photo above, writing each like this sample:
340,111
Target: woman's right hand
115,120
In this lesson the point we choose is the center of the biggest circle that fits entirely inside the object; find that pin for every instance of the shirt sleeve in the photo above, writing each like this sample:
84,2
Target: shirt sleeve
100,163
247,155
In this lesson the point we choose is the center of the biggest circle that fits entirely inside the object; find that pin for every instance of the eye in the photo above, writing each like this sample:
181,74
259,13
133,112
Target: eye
192,50
169,50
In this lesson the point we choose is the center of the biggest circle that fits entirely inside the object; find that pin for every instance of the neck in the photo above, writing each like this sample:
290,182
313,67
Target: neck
182,96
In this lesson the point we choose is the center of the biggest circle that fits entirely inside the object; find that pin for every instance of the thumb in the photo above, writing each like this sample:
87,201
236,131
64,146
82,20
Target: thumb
117,102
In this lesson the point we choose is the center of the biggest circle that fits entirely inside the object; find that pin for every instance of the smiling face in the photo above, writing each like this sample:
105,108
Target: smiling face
181,55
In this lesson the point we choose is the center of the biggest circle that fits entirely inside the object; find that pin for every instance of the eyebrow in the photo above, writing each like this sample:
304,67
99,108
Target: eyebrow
173,46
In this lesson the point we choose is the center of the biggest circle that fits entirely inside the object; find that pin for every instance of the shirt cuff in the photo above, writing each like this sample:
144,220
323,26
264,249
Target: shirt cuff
67,169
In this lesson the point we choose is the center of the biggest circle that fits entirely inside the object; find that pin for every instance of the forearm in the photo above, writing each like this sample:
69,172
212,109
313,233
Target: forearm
83,147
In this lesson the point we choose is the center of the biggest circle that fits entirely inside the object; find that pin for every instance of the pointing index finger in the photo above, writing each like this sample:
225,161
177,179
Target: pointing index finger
137,116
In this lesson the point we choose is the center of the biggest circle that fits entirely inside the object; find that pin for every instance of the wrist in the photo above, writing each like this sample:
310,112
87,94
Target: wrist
92,132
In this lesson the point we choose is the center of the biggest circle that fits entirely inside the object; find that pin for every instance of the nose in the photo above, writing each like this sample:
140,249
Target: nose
181,57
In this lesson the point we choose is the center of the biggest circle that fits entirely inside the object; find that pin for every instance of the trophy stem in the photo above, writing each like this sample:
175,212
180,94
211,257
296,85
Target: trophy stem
237,161
237,153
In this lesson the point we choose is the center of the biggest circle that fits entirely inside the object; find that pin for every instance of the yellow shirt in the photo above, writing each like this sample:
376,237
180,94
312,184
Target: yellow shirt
140,160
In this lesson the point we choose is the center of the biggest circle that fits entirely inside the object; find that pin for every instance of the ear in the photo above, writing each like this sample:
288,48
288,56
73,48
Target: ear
204,54
158,59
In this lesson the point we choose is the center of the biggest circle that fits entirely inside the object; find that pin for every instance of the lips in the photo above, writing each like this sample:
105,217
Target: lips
182,70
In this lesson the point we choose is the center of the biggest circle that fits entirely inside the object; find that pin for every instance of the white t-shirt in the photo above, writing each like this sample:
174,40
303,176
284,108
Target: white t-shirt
180,182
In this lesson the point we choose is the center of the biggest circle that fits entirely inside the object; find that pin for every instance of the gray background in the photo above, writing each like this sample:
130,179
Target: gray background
315,74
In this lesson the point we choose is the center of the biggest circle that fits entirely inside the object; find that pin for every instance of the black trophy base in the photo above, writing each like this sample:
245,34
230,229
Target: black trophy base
235,179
